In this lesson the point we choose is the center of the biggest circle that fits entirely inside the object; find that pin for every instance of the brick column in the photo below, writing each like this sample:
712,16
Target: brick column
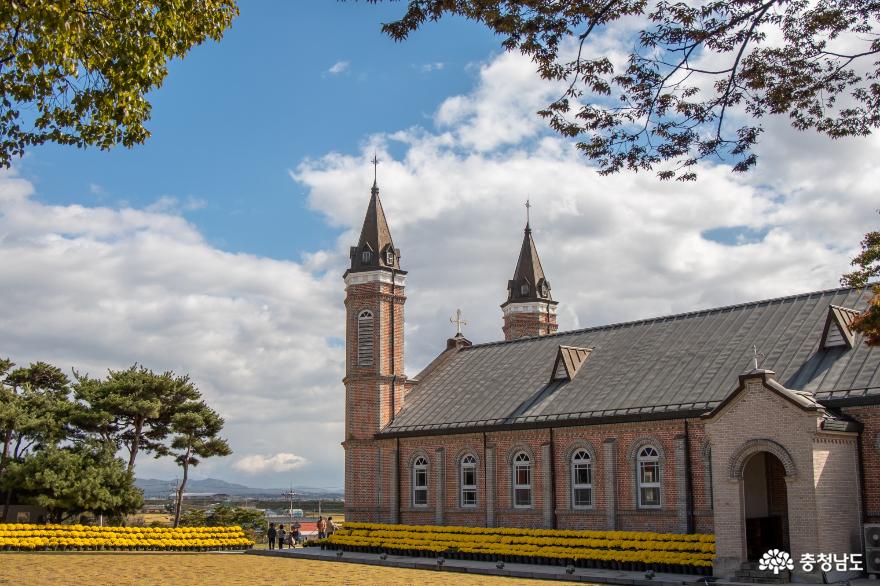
394,483
440,482
490,486
547,485
681,482
609,457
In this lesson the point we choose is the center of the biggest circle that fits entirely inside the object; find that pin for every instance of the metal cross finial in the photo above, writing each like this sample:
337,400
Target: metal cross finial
456,319
375,162
755,350
528,206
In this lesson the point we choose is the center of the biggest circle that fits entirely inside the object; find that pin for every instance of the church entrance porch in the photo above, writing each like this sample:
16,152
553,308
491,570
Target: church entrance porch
765,507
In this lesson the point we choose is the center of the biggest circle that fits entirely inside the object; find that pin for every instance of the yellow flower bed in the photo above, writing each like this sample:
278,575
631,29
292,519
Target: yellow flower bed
641,550
16,537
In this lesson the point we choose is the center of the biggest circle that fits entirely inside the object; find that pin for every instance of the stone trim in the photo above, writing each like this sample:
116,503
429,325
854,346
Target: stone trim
744,451
681,482
440,493
547,488
374,277
465,451
706,455
646,440
490,486
609,470
535,307
394,497
416,453
516,449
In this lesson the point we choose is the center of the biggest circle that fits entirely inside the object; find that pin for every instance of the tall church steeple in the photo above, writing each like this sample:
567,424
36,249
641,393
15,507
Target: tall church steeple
530,309
375,382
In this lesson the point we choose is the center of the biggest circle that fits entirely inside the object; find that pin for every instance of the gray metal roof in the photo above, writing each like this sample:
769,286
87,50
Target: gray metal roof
654,368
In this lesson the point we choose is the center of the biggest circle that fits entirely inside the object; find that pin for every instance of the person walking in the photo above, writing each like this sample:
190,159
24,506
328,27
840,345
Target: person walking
271,535
282,536
296,534
322,528
331,527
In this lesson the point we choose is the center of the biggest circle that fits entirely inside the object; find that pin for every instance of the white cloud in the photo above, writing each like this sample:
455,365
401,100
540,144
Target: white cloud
339,67
614,248
430,67
282,462
98,288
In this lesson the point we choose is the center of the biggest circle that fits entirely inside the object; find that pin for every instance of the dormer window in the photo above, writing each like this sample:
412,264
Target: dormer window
544,290
524,289
366,257
389,258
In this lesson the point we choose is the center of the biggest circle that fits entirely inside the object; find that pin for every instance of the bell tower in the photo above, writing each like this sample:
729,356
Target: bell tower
530,309
374,378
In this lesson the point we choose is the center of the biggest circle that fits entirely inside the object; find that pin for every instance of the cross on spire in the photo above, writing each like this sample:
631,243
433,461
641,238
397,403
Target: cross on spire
456,319
756,353
375,161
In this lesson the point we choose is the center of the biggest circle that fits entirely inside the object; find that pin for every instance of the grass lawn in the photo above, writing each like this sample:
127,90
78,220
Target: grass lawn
160,569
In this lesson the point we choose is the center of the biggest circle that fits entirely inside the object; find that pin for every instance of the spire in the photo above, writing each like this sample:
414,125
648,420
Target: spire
375,162
528,283
375,249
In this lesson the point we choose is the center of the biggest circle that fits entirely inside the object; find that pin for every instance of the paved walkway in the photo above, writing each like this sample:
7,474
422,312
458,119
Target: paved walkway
533,571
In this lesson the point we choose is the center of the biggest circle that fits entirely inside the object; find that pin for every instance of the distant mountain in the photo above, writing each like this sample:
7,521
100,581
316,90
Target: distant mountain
155,487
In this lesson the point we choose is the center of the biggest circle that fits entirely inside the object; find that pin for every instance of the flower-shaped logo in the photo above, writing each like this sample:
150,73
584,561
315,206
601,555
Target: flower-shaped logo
776,560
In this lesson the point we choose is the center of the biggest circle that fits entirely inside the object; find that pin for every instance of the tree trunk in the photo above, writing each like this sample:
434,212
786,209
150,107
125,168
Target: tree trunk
180,489
4,458
135,444
6,504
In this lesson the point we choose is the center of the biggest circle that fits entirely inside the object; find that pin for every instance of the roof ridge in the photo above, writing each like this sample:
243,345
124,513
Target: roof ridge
664,317
848,309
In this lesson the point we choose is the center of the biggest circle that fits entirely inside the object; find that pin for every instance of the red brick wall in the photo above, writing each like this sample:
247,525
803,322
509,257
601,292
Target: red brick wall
373,394
505,443
869,416
519,325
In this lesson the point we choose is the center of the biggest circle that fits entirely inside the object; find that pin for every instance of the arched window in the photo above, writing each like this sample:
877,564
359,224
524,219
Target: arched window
469,481
524,289
648,475
420,482
581,479
365,338
366,257
522,480
544,290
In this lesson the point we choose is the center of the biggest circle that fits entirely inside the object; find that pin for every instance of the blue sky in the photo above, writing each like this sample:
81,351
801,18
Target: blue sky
217,248
234,116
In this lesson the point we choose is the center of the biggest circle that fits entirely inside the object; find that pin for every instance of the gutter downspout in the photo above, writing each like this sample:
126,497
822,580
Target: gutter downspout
689,485
485,490
553,478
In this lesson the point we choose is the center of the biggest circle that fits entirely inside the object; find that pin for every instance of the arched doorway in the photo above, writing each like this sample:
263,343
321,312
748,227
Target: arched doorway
765,505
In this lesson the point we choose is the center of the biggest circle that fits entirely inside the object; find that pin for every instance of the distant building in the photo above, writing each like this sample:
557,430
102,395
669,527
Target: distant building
664,424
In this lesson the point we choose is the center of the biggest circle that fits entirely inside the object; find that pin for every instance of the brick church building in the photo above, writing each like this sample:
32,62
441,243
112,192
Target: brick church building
662,424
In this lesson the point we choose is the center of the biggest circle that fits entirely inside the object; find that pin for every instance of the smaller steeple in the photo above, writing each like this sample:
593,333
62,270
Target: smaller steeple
530,309
529,282
375,249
